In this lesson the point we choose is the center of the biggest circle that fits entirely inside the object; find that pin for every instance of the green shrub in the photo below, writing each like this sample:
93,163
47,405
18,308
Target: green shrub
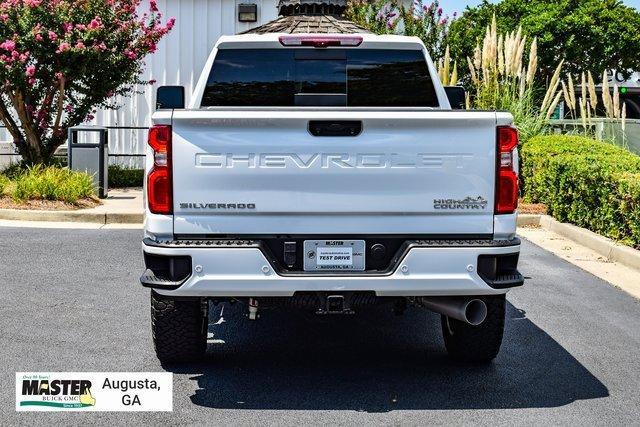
4,184
123,177
586,182
15,169
52,183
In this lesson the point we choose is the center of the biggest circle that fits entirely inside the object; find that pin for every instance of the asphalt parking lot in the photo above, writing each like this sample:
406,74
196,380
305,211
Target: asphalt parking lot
71,302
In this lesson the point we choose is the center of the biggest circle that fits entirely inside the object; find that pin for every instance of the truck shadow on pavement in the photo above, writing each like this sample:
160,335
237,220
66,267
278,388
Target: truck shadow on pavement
377,362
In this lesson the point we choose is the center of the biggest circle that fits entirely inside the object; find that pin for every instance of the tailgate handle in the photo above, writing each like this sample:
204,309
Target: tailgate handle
335,127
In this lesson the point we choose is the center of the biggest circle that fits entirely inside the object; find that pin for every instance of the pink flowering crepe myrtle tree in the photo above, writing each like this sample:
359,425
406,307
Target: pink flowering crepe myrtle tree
60,60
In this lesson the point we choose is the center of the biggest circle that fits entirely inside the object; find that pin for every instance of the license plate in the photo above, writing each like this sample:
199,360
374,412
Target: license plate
333,255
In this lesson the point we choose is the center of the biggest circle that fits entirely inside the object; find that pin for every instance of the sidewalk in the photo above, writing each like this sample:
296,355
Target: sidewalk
120,207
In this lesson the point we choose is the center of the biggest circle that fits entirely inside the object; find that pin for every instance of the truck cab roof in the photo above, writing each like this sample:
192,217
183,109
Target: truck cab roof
272,40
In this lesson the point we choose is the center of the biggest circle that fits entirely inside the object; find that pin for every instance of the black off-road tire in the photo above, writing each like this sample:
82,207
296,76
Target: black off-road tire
179,328
476,344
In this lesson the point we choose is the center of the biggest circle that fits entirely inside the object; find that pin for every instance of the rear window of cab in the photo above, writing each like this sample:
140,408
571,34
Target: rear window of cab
319,77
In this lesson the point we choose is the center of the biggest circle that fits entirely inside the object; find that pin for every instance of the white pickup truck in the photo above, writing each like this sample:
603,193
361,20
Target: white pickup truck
328,173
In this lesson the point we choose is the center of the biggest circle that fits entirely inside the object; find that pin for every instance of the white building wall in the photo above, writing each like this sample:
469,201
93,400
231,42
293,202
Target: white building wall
178,61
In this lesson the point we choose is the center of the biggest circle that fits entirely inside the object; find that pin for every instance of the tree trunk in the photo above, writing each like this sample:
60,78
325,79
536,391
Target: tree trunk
35,150
33,146
52,145
29,156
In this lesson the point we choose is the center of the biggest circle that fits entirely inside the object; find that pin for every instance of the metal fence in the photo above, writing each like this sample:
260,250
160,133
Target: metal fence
117,146
604,129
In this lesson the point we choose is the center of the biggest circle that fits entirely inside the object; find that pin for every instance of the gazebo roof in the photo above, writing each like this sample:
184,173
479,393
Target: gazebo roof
309,23
329,7
310,16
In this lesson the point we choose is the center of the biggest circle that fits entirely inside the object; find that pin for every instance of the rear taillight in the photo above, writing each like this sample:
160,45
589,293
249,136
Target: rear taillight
159,181
320,41
506,176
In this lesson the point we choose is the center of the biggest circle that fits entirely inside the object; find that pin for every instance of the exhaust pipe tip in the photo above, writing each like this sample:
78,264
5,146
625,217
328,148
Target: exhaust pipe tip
475,312
472,311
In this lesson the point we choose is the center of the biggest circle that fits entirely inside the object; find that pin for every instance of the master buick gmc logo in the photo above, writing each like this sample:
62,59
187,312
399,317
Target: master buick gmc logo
467,203
56,393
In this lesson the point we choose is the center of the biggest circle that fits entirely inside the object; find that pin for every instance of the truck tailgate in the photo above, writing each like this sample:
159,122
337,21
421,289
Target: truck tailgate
261,172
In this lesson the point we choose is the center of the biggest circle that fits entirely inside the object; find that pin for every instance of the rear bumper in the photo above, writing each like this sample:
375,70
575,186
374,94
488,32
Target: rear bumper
241,269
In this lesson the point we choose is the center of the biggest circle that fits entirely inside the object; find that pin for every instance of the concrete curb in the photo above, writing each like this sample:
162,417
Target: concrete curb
525,220
124,218
604,246
72,216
